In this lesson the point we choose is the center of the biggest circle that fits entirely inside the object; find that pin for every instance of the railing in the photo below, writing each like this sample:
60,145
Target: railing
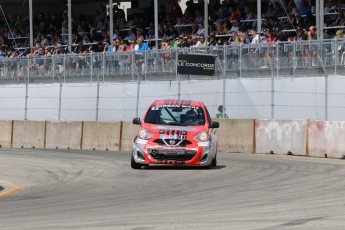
285,58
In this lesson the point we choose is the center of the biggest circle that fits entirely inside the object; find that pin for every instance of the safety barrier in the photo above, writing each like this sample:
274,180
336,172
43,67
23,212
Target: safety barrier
28,134
101,136
292,137
6,134
63,135
326,139
236,135
281,137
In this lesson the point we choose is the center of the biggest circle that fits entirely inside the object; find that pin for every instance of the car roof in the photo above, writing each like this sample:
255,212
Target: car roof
178,102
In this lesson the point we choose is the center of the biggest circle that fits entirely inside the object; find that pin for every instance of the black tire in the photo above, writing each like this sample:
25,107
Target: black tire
134,164
214,162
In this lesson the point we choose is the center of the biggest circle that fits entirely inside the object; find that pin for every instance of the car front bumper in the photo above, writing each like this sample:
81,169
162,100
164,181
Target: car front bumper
144,153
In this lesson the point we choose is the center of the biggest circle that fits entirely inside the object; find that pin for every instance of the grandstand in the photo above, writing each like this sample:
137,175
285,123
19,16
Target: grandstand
287,42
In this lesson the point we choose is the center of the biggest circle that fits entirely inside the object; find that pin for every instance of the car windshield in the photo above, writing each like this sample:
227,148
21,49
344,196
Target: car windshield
175,115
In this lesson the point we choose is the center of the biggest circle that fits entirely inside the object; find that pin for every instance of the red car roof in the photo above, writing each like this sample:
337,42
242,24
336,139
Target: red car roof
178,102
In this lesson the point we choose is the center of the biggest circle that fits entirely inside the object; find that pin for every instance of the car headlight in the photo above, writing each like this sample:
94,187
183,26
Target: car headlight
144,134
202,136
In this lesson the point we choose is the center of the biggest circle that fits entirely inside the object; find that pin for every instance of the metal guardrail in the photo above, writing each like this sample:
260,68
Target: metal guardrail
289,56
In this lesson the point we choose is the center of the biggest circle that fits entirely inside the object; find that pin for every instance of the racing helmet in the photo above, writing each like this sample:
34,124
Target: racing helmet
191,115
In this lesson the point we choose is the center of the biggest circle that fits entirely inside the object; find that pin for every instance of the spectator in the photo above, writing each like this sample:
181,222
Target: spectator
166,55
199,18
280,35
160,32
100,17
44,40
213,40
340,19
311,52
292,9
221,112
255,38
125,59
269,12
269,51
298,20
235,26
181,42
118,12
195,28
278,10
131,36
249,16
202,41
116,46
305,7
233,13
140,54
173,32
194,41
151,32
190,9
201,29
189,41
176,11
214,7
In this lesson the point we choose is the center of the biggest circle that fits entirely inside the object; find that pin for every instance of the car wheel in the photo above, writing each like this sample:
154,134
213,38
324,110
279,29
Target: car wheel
134,164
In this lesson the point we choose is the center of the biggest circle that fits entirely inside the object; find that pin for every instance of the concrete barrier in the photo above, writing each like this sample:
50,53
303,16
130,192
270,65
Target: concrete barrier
128,133
326,139
63,135
28,134
5,134
281,137
101,136
236,135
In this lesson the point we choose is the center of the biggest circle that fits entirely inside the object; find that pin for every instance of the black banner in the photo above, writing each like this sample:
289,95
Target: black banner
195,64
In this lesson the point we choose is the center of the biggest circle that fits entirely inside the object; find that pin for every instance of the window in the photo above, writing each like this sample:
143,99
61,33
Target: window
175,115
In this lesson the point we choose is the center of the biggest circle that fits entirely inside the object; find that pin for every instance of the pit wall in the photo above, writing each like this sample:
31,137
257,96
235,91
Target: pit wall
292,137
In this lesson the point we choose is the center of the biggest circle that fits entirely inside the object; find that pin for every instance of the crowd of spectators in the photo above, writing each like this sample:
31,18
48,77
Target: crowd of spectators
230,22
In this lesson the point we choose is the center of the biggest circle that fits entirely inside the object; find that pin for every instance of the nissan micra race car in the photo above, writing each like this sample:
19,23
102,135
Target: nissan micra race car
175,132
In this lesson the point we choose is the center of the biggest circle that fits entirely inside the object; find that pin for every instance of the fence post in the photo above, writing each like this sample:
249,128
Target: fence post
272,93
224,78
326,97
26,100
104,65
97,101
240,59
91,65
60,101
138,96
53,66
64,68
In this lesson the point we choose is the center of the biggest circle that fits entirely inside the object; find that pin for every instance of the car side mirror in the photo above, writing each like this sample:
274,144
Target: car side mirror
136,121
214,124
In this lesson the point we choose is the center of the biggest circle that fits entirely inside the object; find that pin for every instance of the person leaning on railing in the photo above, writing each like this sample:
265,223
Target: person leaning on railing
165,55
140,52
125,60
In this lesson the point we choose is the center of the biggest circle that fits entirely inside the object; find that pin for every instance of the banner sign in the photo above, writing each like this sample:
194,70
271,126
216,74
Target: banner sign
196,64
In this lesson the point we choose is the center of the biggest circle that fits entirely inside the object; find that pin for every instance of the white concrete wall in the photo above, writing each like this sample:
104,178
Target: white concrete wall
326,139
281,137
294,99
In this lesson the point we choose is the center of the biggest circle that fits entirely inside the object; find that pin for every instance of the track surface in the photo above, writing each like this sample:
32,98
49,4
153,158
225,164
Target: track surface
99,190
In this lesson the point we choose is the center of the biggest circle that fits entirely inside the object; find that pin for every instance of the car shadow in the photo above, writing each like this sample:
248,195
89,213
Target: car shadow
174,167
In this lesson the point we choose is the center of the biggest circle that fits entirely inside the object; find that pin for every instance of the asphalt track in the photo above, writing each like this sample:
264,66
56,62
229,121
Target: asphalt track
99,190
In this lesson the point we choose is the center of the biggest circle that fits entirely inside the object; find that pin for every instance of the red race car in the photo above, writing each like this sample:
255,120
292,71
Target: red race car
175,132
